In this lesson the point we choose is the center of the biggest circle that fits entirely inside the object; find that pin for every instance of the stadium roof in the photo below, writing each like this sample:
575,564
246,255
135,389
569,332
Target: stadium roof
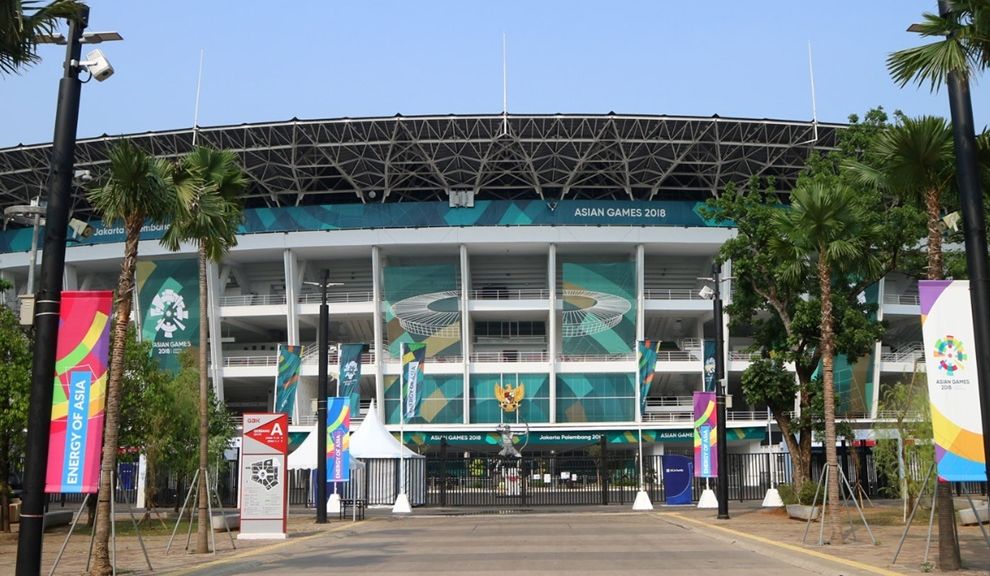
423,158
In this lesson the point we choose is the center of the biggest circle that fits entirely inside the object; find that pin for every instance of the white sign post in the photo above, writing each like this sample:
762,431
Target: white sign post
264,486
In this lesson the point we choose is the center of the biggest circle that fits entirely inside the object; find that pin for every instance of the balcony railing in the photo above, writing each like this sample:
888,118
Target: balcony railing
597,357
510,294
338,297
671,294
743,356
250,360
913,352
902,299
253,300
507,356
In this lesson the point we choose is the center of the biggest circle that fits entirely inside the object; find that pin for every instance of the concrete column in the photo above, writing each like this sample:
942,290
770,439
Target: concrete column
877,351
552,328
640,292
213,290
293,285
466,330
379,344
70,278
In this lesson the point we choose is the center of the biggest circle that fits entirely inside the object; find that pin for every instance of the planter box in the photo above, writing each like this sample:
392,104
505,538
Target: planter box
967,518
802,512
233,521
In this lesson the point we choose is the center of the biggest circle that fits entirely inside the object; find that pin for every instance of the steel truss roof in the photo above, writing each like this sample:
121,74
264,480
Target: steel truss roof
407,159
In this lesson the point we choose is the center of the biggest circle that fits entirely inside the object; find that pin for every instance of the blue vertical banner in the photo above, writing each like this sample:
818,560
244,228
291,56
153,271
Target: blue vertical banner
349,375
287,378
338,439
709,353
647,367
413,360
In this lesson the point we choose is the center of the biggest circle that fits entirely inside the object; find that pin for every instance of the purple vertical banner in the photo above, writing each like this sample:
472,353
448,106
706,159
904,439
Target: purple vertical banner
705,440
338,439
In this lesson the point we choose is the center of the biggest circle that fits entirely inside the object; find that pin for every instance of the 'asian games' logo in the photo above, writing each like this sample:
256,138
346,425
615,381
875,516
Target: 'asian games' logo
170,309
350,370
951,354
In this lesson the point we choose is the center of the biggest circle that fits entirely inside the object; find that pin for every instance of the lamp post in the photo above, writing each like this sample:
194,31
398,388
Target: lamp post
321,398
722,456
975,232
48,303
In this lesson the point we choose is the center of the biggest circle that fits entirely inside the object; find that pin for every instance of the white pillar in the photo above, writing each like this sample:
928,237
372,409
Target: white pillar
552,328
213,289
293,285
380,353
466,330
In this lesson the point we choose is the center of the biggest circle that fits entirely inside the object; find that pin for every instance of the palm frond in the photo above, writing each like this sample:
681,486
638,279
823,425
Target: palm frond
22,22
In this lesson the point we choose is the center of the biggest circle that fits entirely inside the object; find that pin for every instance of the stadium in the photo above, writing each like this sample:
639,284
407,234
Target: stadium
522,249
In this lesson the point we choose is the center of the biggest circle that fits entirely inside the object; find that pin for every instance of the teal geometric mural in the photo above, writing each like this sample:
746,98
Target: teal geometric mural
535,407
599,307
422,304
442,403
596,397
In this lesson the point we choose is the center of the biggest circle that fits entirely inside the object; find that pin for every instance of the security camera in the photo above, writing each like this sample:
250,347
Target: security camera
706,292
81,229
82,176
98,65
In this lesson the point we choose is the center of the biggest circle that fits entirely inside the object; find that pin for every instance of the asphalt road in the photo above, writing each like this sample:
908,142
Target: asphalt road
574,544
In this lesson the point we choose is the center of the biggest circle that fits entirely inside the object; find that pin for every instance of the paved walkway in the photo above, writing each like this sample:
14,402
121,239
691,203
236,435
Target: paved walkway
575,542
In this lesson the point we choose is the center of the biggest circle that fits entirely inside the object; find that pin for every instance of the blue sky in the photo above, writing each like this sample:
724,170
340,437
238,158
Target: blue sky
269,61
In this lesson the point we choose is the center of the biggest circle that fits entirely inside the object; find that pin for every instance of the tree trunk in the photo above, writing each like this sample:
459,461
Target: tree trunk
799,462
4,475
948,541
203,524
122,316
828,392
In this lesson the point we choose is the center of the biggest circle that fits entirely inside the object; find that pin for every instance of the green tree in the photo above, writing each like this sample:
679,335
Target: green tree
906,404
209,185
138,189
22,23
826,232
913,162
15,381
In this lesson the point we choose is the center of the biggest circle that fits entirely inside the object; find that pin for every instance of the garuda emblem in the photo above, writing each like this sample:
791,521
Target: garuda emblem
509,397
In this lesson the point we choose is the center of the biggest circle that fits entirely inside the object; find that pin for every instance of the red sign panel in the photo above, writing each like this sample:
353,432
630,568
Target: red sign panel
271,430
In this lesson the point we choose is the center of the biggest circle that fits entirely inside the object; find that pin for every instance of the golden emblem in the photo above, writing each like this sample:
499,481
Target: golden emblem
508,397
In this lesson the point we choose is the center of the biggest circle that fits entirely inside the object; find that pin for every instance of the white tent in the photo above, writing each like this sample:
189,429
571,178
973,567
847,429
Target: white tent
381,453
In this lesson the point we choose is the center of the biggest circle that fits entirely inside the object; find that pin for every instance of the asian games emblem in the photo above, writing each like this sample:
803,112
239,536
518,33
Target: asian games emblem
951,354
170,309
710,367
350,370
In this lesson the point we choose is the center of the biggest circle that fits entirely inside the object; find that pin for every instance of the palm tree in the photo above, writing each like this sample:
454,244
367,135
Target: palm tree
962,47
22,23
209,184
915,162
825,232
138,189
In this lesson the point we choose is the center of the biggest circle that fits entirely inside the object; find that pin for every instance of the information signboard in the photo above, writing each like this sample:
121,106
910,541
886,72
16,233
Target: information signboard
263,482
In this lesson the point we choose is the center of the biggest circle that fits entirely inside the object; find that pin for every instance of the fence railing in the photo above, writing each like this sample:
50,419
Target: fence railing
253,300
509,294
338,297
902,299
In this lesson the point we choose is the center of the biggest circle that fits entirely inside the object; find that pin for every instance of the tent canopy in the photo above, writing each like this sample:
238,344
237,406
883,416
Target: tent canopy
371,440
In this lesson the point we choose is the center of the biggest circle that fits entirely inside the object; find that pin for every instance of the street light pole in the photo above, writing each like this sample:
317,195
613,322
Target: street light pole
321,404
48,304
720,391
975,232
321,398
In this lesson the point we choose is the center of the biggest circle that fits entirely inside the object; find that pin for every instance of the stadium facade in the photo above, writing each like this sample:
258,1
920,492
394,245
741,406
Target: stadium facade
520,249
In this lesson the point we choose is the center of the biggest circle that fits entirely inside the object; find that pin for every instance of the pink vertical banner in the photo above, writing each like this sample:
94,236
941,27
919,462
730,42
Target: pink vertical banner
79,398
705,435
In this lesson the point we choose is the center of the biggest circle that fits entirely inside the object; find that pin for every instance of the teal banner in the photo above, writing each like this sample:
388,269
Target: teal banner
709,352
599,308
287,378
168,303
582,437
422,306
349,375
413,359
647,367
422,215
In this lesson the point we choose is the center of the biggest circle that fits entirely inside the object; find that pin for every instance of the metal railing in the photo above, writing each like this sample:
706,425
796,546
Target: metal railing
250,360
253,300
510,356
902,299
510,294
913,352
742,355
338,297
597,357
671,294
